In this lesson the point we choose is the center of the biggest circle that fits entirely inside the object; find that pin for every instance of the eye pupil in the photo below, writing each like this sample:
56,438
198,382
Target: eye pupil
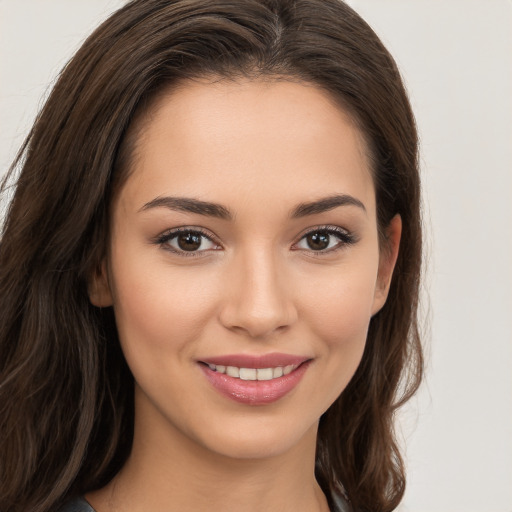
318,241
189,241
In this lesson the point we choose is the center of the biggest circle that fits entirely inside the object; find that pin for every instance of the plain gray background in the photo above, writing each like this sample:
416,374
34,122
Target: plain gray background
456,58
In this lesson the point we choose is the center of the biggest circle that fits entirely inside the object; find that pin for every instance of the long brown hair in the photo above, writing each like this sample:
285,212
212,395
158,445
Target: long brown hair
66,394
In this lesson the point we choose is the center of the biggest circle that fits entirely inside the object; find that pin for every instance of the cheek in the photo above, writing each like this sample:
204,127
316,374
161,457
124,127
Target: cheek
160,309
340,300
339,313
346,312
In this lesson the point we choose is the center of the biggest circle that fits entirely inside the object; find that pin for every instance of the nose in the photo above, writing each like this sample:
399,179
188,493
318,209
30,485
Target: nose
257,296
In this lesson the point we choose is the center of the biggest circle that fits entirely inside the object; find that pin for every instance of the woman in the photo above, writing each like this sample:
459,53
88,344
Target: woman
210,266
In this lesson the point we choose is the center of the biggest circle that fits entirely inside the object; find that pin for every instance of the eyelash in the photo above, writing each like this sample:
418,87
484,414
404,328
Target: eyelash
345,239
164,239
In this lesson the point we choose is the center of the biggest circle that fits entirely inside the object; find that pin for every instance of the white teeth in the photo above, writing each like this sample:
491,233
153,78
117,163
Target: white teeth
278,372
264,373
288,369
253,373
233,371
248,374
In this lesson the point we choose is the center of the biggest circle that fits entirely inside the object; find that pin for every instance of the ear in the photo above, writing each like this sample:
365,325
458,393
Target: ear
387,261
99,291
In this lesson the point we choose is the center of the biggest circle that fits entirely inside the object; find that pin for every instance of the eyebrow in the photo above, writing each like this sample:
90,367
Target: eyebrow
186,204
325,204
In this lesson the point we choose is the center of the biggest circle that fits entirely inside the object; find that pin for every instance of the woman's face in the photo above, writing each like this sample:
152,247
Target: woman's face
244,264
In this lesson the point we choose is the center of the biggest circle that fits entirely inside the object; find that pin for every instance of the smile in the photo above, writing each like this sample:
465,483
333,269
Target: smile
253,373
255,380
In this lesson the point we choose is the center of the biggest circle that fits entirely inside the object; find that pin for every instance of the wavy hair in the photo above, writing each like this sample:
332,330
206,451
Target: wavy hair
66,394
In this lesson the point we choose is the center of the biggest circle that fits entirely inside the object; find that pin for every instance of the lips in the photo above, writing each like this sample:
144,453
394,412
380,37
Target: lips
255,380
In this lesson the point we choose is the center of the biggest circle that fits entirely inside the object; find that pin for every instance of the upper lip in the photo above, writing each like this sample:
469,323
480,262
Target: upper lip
272,360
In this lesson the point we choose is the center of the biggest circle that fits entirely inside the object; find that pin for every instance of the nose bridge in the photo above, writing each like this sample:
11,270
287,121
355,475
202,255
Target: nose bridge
258,300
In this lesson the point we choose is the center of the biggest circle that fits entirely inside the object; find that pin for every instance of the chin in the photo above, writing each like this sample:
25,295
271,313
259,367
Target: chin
262,440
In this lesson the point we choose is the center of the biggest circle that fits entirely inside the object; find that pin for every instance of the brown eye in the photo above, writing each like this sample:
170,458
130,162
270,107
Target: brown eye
318,241
325,240
189,241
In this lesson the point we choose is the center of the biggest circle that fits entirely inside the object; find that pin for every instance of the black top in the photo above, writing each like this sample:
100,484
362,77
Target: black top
80,505
77,505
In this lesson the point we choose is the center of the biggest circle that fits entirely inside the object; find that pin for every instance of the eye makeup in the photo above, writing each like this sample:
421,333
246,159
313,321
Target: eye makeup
321,240
187,241
192,241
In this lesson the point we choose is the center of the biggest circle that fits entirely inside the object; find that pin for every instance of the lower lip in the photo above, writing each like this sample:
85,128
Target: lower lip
255,392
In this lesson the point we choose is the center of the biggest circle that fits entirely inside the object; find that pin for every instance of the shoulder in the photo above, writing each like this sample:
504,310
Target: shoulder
77,505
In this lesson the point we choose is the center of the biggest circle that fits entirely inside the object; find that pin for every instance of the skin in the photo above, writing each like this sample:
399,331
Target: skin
259,148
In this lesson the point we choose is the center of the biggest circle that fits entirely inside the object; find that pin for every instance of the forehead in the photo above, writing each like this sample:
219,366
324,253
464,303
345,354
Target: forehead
249,141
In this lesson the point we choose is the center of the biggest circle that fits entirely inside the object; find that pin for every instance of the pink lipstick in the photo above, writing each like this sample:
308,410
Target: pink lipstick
255,380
